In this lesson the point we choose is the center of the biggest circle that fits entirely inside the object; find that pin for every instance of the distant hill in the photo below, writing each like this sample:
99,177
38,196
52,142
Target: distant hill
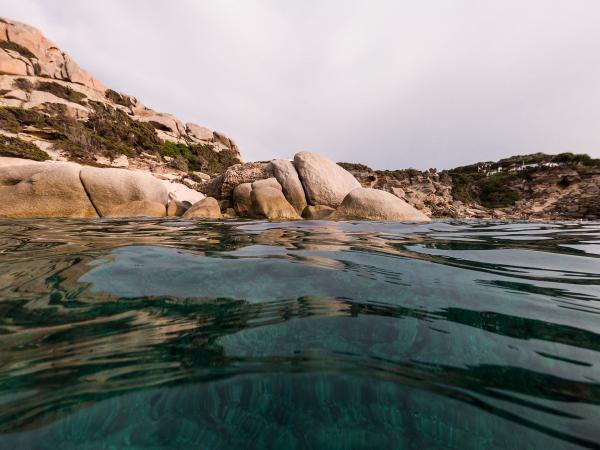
563,186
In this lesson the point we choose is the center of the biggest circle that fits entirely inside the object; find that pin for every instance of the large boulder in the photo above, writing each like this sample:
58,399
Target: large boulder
141,208
207,208
288,178
110,188
242,200
236,175
267,182
199,132
181,193
270,202
373,204
42,189
324,182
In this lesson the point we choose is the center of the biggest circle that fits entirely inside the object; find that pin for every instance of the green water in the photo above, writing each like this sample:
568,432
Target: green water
168,334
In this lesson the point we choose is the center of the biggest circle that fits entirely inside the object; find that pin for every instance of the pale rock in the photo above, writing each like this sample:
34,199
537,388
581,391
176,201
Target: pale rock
42,189
103,160
267,182
288,178
324,182
11,66
182,193
109,188
317,212
74,110
17,94
207,208
398,192
271,203
121,162
203,176
199,132
373,204
138,208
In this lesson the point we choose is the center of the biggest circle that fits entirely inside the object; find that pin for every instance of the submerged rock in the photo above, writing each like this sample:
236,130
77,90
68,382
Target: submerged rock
372,204
325,182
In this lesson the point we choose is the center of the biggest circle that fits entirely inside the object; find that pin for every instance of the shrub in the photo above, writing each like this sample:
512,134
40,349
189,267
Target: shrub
65,92
18,148
9,45
119,99
24,84
495,192
356,167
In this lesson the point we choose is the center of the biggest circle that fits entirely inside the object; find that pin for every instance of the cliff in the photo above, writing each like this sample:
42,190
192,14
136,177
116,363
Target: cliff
51,108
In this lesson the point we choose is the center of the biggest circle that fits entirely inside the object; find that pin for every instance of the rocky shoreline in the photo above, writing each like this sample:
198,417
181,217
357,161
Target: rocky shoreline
71,147
310,187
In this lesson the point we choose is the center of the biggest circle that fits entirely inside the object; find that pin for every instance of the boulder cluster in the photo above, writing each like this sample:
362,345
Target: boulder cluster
310,187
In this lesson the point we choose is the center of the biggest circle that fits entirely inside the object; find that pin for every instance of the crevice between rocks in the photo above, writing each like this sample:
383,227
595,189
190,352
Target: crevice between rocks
88,195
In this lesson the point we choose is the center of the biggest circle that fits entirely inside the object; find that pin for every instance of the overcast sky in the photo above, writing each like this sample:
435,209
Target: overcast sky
392,84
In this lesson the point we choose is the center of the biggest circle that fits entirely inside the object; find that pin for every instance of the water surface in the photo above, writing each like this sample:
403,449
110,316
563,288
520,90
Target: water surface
169,334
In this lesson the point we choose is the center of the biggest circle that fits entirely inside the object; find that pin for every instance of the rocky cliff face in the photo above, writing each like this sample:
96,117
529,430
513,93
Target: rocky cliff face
52,108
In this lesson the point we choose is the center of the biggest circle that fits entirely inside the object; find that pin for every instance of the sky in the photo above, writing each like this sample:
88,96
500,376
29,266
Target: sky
391,84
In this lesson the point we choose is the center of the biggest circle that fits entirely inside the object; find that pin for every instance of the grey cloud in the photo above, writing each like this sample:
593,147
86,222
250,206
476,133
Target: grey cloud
391,84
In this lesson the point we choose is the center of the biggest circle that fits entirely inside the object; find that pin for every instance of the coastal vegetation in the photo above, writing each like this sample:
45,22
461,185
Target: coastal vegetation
108,132
15,147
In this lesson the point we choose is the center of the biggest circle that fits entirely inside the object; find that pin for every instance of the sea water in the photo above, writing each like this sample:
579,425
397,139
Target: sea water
171,334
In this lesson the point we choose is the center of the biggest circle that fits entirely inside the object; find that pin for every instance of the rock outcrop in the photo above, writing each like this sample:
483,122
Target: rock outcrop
325,182
36,75
373,204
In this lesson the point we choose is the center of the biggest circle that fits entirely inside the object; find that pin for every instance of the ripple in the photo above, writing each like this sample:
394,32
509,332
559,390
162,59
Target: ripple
174,334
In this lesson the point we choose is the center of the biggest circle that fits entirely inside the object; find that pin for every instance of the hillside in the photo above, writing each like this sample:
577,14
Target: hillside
564,186
50,108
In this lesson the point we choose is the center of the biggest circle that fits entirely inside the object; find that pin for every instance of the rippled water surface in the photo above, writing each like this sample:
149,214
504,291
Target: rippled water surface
173,334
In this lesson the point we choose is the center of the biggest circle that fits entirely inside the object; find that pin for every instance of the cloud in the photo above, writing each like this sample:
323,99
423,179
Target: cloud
391,84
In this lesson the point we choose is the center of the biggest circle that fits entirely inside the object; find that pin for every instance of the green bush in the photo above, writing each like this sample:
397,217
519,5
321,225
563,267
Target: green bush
24,84
495,192
119,99
64,92
18,148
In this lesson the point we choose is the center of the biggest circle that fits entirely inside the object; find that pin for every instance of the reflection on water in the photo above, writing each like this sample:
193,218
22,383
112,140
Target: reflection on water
175,334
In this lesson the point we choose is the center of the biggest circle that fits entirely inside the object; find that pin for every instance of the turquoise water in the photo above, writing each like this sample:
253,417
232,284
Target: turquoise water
168,334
